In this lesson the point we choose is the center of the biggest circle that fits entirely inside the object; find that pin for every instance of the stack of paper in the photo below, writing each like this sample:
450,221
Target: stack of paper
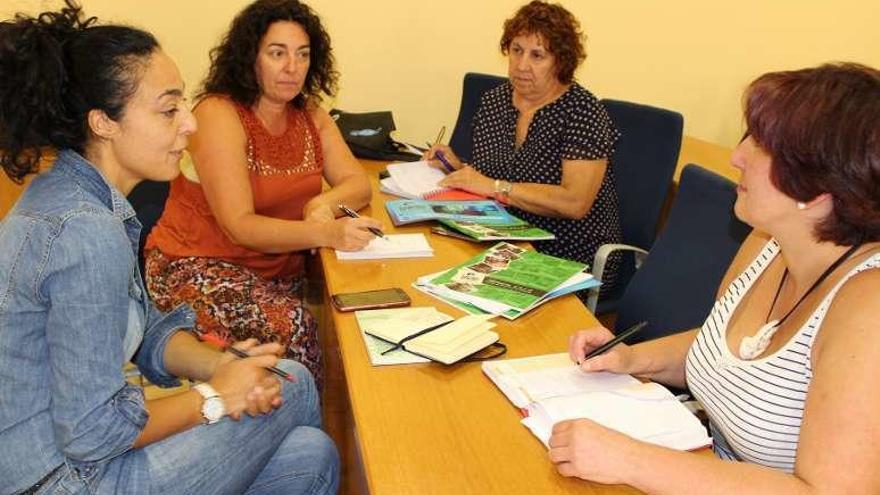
419,180
551,388
391,246
423,332
506,280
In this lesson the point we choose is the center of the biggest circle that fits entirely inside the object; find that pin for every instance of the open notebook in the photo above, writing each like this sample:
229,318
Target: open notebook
428,333
549,389
419,180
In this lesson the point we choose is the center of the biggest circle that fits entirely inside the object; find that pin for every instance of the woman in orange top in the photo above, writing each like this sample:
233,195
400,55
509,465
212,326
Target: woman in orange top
231,240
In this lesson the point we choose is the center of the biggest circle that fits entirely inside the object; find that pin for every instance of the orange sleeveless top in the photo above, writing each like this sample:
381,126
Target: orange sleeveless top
285,173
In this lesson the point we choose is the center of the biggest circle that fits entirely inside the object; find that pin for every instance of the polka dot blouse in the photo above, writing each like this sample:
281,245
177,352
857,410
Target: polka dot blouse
573,127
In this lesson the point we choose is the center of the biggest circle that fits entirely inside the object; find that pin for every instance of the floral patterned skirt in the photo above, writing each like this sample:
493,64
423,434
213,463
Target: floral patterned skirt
232,303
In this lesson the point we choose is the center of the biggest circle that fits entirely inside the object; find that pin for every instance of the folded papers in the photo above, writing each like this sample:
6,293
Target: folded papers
550,388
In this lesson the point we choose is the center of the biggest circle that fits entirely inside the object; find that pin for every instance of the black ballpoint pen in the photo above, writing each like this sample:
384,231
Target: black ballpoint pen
353,214
616,340
273,369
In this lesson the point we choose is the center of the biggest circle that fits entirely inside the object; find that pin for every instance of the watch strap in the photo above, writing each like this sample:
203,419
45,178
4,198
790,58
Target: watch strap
212,405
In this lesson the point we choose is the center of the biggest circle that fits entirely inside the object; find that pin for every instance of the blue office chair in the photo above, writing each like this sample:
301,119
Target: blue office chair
462,140
148,199
644,161
675,288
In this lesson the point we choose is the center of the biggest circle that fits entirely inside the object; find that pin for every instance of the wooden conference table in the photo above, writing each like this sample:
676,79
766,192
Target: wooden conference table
428,428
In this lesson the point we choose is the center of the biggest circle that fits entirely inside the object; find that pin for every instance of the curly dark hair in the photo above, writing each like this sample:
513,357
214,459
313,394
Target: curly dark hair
56,68
232,62
558,28
821,128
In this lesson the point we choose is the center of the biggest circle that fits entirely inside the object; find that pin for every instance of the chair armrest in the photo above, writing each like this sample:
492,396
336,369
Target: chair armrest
598,270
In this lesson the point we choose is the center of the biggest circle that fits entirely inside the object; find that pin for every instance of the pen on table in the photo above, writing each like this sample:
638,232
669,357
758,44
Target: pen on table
273,369
353,214
417,334
616,340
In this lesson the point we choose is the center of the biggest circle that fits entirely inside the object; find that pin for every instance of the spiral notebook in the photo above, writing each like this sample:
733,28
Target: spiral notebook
419,180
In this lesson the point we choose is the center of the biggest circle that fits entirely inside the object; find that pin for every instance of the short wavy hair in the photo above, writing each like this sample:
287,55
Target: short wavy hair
821,127
557,27
232,70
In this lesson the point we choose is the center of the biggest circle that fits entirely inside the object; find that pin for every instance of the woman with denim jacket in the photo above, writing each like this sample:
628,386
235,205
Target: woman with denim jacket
73,309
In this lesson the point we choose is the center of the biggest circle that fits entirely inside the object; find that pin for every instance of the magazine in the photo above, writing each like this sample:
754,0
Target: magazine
482,232
405,211
507,280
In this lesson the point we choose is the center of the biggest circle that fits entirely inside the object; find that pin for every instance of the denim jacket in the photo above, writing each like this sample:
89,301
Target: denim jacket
73,310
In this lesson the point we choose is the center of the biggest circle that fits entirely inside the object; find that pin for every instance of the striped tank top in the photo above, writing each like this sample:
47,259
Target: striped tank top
755,407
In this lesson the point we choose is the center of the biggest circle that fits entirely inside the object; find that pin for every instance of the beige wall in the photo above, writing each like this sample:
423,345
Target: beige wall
694,56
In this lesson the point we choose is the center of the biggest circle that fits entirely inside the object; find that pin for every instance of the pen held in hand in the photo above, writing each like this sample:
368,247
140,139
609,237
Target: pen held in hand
602,349
273,369
448,166
353,214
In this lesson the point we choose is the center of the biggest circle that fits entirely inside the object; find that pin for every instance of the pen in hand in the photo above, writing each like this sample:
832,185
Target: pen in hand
353,214
442,157
602,349
273,369
439,154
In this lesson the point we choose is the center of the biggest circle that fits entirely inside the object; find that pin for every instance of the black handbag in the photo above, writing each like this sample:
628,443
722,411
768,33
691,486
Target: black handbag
368,135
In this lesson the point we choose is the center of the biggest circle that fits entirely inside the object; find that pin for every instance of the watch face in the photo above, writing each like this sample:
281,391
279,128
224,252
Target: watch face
212,409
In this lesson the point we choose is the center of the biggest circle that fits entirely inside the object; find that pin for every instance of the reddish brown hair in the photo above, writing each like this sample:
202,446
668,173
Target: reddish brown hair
821,127
559,30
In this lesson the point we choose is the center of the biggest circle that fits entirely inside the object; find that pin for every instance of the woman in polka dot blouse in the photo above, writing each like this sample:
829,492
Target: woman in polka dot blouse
542,142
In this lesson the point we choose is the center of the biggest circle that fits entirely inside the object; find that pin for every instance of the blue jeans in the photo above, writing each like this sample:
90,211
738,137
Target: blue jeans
284,452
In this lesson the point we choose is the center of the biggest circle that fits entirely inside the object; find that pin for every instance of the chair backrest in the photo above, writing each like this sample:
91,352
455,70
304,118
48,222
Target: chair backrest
148,200
675,288
473,88
644,161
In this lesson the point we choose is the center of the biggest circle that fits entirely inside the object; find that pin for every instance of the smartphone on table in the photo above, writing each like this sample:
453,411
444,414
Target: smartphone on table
371,299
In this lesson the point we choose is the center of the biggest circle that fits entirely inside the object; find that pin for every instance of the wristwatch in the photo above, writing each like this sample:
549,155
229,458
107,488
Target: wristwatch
502,191
212,407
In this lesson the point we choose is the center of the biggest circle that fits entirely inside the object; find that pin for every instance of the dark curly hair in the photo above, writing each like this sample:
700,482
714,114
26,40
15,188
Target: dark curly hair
57,67
232,62
821,128
557,27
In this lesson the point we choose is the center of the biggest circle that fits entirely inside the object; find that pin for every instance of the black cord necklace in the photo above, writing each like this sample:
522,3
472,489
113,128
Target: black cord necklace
753,346
839,261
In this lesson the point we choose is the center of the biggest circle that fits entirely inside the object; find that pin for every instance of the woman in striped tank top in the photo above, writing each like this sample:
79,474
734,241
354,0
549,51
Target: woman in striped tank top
787,363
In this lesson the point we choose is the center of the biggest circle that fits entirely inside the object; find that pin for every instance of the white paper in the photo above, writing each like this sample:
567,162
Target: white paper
416,179
391,246
645,411
555,382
